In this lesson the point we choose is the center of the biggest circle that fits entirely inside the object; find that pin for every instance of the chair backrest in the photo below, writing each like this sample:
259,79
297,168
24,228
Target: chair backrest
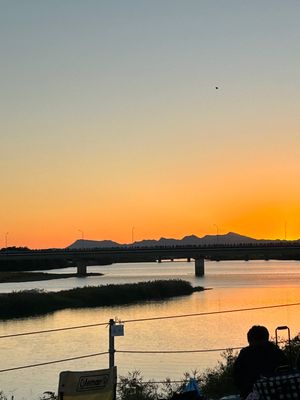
87,385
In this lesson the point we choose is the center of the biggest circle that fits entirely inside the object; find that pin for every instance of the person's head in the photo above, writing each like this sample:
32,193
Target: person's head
257,335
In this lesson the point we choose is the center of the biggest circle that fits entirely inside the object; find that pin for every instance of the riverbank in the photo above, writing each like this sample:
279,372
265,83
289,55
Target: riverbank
8,276
37,302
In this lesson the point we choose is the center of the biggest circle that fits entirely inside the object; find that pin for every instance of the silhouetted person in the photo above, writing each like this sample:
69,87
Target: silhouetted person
260,358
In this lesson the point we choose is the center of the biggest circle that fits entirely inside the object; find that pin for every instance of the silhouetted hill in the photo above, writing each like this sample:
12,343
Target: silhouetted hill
92,244
228,238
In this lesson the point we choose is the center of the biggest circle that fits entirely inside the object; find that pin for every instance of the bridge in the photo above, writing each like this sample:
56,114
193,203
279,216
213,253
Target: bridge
82,258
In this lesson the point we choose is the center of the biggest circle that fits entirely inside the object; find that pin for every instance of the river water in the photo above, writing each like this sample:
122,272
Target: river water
233,284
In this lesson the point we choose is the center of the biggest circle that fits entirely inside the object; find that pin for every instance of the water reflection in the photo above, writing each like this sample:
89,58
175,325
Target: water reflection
217,274
235,285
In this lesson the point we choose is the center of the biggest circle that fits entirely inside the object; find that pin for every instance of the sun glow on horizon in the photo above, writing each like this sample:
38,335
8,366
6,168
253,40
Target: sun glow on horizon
107,123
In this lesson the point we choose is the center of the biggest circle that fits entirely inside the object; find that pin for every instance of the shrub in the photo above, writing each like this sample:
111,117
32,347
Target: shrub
217,382
2,396
132,387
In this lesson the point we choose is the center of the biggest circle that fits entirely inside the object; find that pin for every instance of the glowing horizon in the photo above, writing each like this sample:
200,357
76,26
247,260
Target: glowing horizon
62,243
110,118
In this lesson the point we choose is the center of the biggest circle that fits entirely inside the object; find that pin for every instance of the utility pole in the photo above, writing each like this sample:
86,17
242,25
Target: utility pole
111,349
6,234
114,330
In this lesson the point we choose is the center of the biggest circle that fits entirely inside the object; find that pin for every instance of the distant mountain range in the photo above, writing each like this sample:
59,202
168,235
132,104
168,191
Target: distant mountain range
228,238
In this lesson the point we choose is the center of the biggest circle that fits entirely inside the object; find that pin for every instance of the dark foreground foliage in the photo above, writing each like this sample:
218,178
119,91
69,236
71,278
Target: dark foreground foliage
214,382
36,302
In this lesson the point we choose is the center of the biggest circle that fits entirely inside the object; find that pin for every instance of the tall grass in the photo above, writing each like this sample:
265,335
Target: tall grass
35,302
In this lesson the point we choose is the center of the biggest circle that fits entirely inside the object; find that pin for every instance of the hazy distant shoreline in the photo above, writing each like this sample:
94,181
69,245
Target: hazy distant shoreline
9,277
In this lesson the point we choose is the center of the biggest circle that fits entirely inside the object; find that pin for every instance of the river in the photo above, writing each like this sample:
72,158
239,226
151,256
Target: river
233,284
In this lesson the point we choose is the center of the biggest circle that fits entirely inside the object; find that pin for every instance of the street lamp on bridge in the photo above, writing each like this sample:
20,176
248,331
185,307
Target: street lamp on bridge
82,234
217,228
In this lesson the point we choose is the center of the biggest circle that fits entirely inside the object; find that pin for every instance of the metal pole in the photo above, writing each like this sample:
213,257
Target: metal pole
217,233
285,230
111,349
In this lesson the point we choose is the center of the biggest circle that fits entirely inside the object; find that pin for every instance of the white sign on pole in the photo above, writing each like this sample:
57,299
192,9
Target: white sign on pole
117,330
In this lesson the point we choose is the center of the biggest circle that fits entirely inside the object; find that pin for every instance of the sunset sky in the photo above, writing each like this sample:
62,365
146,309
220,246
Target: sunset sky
110,119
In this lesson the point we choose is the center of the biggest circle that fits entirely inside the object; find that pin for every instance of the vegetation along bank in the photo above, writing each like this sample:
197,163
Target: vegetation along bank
6,276
37,302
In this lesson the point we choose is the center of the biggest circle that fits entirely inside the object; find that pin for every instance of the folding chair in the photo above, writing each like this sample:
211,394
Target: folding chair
88,385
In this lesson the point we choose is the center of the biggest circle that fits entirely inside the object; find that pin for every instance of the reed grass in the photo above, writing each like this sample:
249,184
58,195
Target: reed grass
36,302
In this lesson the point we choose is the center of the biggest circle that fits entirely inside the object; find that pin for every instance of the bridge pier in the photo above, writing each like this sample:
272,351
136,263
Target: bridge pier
81,269
199,267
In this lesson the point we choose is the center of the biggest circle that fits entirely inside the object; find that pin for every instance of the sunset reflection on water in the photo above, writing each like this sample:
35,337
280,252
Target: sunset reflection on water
233,287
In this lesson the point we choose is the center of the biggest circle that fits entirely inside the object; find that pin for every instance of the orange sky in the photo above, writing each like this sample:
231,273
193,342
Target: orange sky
108,124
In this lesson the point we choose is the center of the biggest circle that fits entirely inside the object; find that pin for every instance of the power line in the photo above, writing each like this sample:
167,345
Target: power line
117,351
210,313
145,383
52,330
150,319
52,362
136,351
174,351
